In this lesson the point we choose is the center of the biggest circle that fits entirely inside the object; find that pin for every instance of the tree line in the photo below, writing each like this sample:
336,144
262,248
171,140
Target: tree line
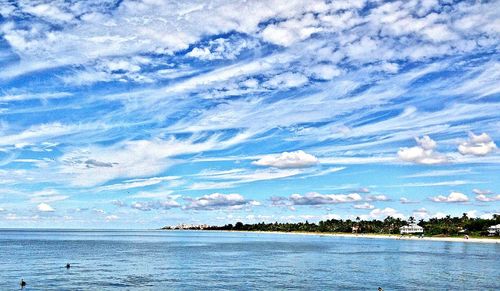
434,226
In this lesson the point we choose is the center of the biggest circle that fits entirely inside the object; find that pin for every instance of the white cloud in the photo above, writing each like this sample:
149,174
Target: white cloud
324,72
159,204
221,48
432,184
159,194
484,198
234,177
44,207
324,172
383,213
454,197
488,215
482,192
379,197
137,183
364,206
424,153
404,200
49,11
111,217
286,81
440,173
136,158
421,213
314,198
217,201
308,217
31,96
356,160
477,145
47,196
291,31
40,133
297,159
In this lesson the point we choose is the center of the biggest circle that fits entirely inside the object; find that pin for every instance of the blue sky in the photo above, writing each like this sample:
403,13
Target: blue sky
147,113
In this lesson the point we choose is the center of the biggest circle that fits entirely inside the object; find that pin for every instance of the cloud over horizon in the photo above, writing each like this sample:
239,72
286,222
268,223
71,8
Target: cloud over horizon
140,113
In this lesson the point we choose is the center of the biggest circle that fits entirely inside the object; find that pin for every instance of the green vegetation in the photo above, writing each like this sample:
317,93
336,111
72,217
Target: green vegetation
446,226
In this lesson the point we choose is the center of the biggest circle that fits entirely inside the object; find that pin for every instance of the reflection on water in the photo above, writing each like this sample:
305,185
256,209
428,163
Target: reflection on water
183,260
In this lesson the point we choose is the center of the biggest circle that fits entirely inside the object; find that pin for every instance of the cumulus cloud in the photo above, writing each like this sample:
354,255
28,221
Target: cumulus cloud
364,206
297,159
44,207
314,198
454,197
484,198
424,153
291,31
477,145
216,201
486,195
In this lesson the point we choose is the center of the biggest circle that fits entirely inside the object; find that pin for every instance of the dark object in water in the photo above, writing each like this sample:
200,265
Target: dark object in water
380,289
23,284
68,266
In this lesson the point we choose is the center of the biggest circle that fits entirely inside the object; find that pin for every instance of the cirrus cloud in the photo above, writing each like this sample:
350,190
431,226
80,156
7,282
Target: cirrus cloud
159,204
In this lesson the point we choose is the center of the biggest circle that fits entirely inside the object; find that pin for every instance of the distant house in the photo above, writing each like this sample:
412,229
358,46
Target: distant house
494,230
411,228
356,229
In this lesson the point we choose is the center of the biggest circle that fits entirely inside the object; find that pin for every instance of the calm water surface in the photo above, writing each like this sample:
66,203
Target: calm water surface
190,260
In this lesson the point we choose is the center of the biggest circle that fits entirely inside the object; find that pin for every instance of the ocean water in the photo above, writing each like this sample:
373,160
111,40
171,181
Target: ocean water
199,260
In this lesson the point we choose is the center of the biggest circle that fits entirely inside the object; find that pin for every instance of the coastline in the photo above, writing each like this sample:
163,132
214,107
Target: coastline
375,236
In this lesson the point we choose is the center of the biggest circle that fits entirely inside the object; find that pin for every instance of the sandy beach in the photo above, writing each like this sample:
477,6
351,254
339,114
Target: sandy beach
386,236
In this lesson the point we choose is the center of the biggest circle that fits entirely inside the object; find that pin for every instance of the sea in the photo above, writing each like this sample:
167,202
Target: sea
210,260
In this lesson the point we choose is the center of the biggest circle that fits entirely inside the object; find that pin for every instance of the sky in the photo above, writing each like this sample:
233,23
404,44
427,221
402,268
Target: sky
140,114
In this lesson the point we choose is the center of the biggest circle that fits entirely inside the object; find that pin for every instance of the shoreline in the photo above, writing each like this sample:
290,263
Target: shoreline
374,236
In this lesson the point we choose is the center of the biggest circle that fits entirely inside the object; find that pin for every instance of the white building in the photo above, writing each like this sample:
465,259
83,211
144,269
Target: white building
494,230
411,228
